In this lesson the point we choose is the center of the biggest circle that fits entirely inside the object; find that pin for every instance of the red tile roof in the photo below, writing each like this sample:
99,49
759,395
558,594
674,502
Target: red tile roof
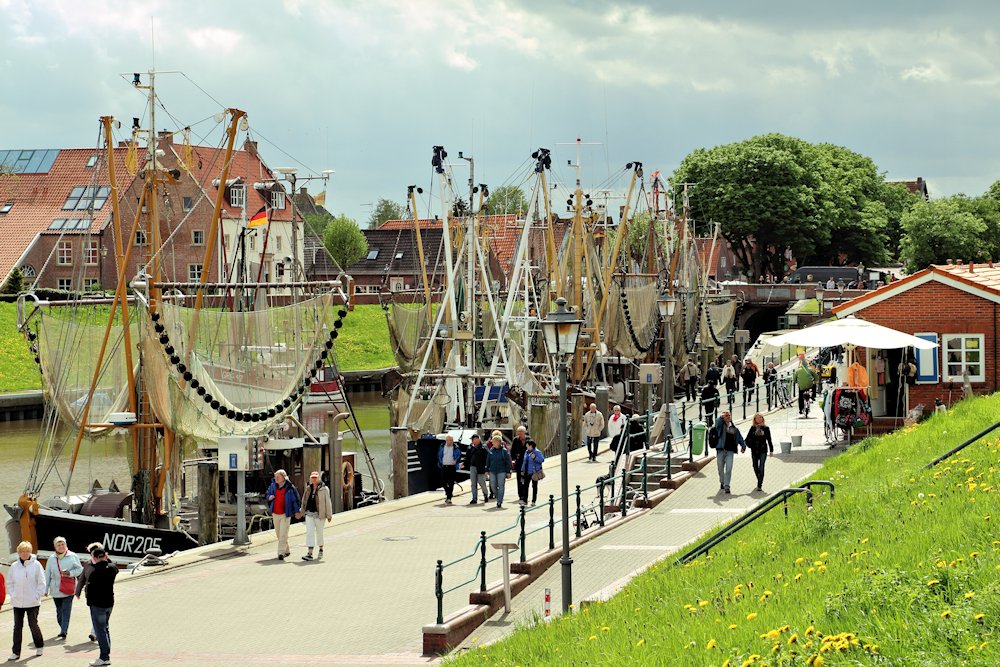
984,277
38,199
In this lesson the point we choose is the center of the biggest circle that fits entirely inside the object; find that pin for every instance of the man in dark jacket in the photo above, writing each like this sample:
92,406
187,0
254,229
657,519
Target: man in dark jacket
476,458
101,599
749,375
710,401
518,448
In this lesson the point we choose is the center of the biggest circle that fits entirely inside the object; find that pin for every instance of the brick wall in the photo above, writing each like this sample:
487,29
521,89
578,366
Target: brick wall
941,309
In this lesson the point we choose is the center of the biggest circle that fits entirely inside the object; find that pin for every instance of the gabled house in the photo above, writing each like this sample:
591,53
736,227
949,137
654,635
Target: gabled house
957,306
392,263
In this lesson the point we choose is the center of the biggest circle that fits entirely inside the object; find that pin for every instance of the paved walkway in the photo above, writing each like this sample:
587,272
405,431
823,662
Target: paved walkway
366,601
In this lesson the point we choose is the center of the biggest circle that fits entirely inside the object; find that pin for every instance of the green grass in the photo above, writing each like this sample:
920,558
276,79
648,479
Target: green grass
18,371
362,345
902,569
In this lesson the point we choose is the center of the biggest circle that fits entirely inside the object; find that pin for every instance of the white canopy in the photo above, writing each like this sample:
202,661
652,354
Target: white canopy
850,331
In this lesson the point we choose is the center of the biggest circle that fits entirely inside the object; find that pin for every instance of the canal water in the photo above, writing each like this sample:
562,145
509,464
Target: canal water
105,460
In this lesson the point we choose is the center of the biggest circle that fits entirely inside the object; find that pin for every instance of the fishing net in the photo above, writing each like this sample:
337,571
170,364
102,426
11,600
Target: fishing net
718,321
69,345
212,373
633,317
408,332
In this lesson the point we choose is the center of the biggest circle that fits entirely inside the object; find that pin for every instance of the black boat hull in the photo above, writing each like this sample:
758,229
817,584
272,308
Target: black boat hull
120,538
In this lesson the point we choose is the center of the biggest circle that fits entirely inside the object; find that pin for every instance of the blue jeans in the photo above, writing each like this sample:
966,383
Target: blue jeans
64,607
724,460
101,617
592,443
499,481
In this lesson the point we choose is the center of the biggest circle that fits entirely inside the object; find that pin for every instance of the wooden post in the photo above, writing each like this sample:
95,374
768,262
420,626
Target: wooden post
208,502
400,467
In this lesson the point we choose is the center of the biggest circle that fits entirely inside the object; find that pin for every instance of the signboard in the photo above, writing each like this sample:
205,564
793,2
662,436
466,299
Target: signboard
650,374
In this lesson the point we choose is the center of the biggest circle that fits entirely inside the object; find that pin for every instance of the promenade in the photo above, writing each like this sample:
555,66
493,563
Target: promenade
365,602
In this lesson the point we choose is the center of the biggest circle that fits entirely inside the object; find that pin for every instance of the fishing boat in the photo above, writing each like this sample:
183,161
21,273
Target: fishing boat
180,366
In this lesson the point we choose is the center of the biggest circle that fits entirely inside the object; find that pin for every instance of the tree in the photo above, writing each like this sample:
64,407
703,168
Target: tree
942,229
344,241
14,283
385,209
315,223
507,199
898,200
993,192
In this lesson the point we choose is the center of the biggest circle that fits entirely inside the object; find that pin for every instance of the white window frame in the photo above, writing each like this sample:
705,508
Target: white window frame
187,203
277,243
91,284
140,237
91,253
194,273
278,200
237,196
962,350
194,237
64,284
64,253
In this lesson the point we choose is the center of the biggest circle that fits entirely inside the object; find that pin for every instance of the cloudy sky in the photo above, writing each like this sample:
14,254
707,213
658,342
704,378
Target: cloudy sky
367,88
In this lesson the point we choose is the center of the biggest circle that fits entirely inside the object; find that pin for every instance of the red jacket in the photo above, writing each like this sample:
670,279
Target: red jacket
3,590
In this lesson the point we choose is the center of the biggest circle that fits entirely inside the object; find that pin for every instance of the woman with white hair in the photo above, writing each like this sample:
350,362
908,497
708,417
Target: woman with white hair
284,503
26,586
61,572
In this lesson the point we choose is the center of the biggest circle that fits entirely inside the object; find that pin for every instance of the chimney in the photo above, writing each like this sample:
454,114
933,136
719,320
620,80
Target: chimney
991,263
971,265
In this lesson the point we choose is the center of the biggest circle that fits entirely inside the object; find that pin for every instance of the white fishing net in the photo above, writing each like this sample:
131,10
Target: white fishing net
643,317
408,332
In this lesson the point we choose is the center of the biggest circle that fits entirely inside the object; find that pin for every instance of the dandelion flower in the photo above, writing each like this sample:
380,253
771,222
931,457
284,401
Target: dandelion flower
733,626
933,582
980,617
824,555
702,603
970,595
799,561
605,628
946,613
793,639
640,643
752,616
810,630
710,645
591,638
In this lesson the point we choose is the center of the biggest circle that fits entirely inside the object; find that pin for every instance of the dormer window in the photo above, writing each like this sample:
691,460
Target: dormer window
237,196
5,207
91,161
373,254
278,200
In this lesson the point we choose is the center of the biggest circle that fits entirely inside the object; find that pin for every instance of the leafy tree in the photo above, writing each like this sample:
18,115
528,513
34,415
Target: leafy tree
344,241
993,192
315,223
507,199
14,283
897,199
950,228
385,209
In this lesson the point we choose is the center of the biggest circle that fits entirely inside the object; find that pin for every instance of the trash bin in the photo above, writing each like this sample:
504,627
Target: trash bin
698,433
786,447
796,441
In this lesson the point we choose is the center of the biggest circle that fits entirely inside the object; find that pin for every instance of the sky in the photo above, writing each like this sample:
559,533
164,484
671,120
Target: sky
367,88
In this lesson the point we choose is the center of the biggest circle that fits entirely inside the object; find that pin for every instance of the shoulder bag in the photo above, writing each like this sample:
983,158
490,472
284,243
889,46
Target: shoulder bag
67,584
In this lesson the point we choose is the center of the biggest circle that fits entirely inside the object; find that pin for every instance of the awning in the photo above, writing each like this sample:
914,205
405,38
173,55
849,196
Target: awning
850,331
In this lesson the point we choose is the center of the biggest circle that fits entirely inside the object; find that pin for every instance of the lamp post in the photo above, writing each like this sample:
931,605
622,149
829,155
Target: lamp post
819,298
561,330
667,304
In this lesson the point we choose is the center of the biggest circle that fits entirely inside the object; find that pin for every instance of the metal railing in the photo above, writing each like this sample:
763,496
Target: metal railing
595,508
779,498
965,444
777,394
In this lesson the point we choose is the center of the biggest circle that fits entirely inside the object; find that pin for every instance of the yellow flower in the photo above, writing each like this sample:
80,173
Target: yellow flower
710,645
702,603
933,582
733,626
591,637
946,613
810,630
799,561
980,617
793,639
970,595
752,616
605,628
640,643
799,575
726,663
824,555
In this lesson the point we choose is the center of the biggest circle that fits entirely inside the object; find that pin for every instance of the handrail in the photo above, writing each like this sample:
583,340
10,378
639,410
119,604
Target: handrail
751,516
965,444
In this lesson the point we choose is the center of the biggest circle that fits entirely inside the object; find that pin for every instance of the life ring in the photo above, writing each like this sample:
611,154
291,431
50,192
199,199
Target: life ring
347,472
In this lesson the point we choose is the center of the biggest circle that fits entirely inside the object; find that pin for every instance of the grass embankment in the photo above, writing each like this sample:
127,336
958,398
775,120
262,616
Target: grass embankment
363,344
902,569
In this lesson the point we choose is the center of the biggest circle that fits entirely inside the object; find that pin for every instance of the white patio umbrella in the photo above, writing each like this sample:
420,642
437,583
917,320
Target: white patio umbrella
850,331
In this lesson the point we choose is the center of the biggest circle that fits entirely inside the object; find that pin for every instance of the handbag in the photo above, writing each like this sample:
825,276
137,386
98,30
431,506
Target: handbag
538,475
67,584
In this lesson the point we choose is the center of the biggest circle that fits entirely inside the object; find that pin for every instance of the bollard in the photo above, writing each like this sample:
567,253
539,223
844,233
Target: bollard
548,604
645,475
701,406
482,561
578,527
744,407
600,499
691,443
756,397
439,590
552,521
624,494
524,556
670,464
684,414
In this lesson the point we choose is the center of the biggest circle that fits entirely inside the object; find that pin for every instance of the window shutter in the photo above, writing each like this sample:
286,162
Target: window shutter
927,360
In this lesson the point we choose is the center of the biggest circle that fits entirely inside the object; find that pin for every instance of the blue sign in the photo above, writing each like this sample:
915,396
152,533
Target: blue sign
233,465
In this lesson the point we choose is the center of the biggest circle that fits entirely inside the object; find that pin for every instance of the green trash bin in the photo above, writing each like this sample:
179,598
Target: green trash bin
699,431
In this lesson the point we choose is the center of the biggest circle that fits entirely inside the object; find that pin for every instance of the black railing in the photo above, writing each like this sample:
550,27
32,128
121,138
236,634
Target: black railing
965,444
779,498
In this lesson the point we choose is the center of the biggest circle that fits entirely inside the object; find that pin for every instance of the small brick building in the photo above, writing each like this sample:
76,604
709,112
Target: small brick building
954,305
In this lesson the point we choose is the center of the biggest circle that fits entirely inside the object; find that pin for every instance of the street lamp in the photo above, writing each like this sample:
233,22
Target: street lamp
819,297
561,330
667,304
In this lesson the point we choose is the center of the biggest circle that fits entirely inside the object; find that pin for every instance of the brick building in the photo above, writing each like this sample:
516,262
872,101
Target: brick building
955,305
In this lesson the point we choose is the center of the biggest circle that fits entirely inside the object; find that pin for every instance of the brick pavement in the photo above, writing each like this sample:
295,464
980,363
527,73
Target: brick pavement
366,601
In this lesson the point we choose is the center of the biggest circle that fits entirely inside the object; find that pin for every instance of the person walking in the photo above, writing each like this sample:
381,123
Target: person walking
710,401
770,378
805,378
531,469
758,440
616,424
316,506
689,374
101,600
593,427
284,502
27,586
61,572
728,440
498,465
713,375
449,458
518,449
81,582
476,460
749,376
731,379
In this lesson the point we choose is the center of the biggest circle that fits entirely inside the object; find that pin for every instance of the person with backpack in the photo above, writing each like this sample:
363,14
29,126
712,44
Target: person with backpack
284,503
727,440
61,572
478,475
531,469
805,379
449,459
758,440
689,376
713,375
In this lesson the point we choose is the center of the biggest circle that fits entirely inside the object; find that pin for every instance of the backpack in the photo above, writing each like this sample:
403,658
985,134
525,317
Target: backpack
713,436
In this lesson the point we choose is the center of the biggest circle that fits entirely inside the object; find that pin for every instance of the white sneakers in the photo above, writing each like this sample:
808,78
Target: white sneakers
99,663
13,657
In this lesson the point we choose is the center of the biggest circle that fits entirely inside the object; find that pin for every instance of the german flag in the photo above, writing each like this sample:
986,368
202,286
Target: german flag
259,218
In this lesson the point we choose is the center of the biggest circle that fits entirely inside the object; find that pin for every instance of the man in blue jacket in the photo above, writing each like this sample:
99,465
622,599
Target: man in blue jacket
449,458
284,501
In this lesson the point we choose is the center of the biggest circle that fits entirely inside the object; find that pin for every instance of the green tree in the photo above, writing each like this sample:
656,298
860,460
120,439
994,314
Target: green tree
14,283
942,229
993,192
897,199
385,209
344,241
507,199
315,223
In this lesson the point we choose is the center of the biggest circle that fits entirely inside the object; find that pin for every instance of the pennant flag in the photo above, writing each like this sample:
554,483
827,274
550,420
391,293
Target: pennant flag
259,218
320,199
